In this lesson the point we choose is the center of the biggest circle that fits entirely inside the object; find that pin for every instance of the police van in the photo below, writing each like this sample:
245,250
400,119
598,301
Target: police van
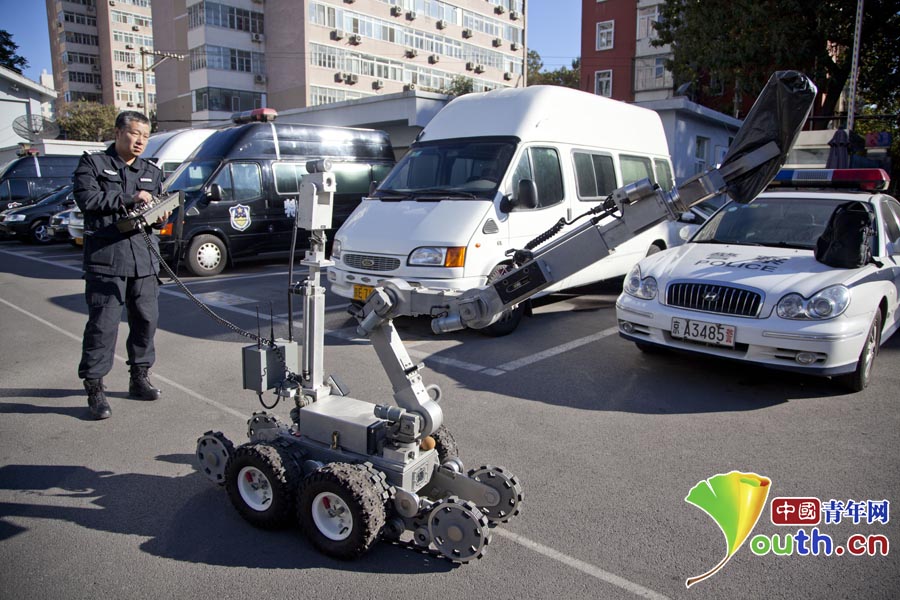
491,172
168,149
241,186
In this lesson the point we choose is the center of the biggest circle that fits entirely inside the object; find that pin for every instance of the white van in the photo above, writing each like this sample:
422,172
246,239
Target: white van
457,202
168,149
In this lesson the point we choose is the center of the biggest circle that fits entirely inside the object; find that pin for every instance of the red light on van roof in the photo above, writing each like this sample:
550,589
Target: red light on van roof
257,115
861,179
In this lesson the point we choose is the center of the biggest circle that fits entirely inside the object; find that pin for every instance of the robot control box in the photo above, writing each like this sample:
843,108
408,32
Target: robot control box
265,367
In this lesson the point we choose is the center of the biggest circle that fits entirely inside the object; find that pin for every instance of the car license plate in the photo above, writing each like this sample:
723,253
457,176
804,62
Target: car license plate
361,292
706,333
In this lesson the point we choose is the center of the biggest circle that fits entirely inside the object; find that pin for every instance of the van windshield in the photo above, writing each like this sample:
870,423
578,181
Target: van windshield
465,168
190,176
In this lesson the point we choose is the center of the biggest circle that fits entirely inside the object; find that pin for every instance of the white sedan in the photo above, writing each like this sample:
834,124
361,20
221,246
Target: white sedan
747,286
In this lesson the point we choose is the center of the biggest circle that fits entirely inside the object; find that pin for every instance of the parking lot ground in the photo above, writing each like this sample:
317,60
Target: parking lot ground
606,441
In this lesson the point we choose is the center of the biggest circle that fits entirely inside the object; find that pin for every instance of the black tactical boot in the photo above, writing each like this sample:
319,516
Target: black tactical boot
139,386
97,399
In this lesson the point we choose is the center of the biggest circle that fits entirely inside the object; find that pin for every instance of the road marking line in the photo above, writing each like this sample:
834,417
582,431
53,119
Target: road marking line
582,566
550,352
547,551
122,359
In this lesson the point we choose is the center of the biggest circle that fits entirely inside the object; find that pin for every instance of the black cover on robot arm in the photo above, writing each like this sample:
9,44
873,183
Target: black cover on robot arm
777,115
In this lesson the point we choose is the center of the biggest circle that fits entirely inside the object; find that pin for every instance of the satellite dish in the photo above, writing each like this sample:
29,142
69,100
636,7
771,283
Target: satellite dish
35,127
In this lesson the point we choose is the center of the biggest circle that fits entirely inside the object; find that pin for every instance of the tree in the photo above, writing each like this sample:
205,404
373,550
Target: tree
738,45
459,86
563,76
8,56
88,121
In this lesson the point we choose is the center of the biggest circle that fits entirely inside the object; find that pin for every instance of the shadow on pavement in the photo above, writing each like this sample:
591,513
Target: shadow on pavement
186,518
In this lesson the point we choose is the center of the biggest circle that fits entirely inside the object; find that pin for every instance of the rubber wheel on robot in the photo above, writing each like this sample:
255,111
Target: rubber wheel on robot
511,317
458,530
206,255
444,444
261,481
508,489
213,452
40,233
342,509
859,379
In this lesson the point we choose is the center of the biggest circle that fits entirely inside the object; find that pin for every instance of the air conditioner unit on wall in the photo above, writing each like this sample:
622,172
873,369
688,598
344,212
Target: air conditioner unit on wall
129,46
479,68
441,24
497,42
434,59
355,39
514,46
130,65
139,85
499,9
339,76
259,78
411,15
135,28
470,66
140,105
257,37
352,78
467,33
508,76
129,104
337,34
411,53
409,87
396,11
377,84
514,15
118,84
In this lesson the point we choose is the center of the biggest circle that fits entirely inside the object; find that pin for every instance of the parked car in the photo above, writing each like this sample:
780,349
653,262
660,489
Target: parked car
748,285
59,225
31,223
489,173
76,227
241,186
25,180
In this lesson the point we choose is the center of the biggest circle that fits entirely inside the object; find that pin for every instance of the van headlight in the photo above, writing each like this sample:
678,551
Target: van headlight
644,288
826,304
438,256
336,250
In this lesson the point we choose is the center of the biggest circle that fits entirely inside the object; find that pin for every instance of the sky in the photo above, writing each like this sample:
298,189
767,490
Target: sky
554,30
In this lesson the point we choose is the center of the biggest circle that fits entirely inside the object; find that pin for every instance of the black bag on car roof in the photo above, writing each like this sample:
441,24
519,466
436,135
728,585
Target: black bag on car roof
846,242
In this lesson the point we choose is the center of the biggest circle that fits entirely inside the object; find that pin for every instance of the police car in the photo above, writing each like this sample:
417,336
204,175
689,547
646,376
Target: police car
748,286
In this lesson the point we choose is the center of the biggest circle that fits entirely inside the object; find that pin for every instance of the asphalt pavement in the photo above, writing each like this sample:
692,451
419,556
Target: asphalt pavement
606,441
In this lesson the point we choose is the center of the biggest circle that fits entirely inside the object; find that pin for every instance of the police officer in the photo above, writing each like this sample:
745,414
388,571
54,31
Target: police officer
119,268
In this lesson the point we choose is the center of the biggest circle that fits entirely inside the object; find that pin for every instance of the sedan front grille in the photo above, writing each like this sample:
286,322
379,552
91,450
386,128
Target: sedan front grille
714,298
370,262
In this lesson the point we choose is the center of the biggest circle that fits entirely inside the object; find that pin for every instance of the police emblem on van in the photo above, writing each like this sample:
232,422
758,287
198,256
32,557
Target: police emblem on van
240,217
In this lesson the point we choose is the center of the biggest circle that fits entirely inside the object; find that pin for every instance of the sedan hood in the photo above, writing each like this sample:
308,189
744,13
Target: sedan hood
396,228
774,271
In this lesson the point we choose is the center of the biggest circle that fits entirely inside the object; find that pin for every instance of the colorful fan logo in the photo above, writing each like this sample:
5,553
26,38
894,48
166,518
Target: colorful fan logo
735,501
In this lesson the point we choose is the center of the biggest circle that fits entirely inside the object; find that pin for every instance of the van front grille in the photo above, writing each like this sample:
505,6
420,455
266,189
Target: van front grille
714,298
370,262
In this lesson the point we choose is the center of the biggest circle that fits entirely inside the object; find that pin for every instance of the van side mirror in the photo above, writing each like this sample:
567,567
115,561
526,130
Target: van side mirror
214,193
526,194
373,185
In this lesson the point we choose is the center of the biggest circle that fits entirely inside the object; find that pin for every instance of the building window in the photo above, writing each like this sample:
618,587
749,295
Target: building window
75,37
701,154
220,99
646,17
603,83
605,33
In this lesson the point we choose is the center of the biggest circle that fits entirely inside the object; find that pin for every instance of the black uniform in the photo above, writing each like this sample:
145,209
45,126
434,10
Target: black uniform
119,268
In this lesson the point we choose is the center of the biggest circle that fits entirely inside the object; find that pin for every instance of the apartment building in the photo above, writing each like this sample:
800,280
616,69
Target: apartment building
289,54
95,47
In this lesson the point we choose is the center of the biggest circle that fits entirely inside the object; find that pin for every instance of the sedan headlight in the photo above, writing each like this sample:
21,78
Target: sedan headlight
827,304
644,288
14,218
437,256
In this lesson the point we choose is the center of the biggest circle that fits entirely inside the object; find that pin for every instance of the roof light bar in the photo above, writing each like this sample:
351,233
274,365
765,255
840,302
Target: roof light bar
257,115
861,179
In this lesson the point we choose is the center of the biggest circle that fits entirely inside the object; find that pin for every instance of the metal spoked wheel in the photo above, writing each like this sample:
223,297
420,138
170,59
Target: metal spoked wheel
341,508
213,452
40,233
458,530
261,480
508,489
